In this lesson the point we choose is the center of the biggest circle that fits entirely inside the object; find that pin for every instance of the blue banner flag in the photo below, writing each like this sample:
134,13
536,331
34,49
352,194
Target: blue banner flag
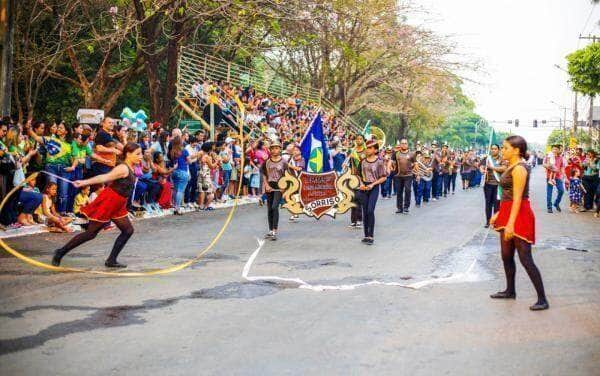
314,148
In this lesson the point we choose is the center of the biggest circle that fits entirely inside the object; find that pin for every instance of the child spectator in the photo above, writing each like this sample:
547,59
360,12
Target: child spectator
81,200
30,199
48,213
576,190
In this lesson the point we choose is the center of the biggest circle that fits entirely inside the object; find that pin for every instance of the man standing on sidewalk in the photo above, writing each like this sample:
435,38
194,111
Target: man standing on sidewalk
404,176
554,163
107,147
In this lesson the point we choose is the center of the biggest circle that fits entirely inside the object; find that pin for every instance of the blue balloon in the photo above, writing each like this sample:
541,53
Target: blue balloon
141,115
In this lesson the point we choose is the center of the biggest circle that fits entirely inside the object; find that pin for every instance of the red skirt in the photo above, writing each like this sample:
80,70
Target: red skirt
524,224
108,205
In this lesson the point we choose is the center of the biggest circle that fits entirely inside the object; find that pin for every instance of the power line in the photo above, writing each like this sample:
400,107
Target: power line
589,17
586,23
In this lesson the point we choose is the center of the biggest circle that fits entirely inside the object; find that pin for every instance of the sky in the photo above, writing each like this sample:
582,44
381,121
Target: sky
517,42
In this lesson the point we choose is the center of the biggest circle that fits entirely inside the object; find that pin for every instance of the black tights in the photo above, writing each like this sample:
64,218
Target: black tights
273,200
94,227
508,258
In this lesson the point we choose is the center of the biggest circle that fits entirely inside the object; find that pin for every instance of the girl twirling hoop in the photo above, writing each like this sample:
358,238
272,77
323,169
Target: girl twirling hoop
516,223
110,205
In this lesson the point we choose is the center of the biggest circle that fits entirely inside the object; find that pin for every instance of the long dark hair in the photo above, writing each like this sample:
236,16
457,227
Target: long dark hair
520,143
130,148
176,148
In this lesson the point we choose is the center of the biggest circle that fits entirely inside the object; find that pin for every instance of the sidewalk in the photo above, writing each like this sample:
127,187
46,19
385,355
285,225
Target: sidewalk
39,229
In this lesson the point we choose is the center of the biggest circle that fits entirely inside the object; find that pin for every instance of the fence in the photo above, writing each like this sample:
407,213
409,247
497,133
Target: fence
196,66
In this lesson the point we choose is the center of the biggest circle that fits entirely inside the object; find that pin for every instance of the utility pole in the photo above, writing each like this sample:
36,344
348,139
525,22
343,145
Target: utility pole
591,112
8,26
575,115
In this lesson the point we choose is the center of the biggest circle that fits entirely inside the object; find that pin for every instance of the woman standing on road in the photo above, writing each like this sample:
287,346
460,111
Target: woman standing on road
272,170
110,205
516,223
373,172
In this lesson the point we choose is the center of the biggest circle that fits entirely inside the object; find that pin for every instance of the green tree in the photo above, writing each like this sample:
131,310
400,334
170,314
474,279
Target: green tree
559,137
584,69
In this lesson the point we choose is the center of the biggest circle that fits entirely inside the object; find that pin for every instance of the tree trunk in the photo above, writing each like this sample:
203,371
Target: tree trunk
403,128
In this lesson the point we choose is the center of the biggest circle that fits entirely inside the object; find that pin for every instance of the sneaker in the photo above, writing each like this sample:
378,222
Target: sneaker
269,235
406,211
550,210
399,211
352,225
114,264
14,226
358,224
557,208
434,199
418,205
364,240
370,241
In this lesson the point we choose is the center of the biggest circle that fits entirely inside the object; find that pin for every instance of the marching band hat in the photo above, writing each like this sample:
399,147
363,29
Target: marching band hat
373,144
275,143
426,154
434,143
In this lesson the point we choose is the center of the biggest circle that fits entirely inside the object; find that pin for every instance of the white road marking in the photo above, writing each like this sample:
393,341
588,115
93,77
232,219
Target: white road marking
467,276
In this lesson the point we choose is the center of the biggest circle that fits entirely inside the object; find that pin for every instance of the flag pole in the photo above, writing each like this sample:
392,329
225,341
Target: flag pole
310,126
488,156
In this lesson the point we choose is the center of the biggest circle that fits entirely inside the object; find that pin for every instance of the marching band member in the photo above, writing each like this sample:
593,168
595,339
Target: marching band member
372,174
516,223
356,156
404,176
424,177
272,170
110,205
297,165
491,166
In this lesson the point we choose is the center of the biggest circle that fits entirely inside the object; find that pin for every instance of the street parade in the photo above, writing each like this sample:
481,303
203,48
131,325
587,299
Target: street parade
320,187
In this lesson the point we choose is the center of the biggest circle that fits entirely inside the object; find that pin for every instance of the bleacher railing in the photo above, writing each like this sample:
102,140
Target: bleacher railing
196,66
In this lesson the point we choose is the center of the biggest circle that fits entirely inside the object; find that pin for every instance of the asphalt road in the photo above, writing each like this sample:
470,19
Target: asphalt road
208,320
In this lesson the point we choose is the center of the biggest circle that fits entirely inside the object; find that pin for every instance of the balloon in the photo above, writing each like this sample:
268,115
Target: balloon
134,120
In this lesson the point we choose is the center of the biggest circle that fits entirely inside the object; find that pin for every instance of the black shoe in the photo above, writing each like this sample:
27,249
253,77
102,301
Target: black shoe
370,241
540,306
364,240
398,211
406,211
550,210
557,208
58,255
114,264
503,295
487,225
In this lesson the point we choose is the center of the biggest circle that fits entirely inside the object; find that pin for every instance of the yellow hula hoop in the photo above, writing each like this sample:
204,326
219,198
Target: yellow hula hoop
168,270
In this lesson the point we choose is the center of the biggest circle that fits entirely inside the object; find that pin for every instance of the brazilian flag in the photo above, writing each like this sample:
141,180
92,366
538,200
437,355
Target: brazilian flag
314,148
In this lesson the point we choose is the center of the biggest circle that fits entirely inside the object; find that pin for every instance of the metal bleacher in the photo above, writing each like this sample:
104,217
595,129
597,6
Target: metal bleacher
197,67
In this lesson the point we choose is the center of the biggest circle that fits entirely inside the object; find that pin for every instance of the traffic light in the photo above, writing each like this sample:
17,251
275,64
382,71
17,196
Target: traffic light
516,122
535,123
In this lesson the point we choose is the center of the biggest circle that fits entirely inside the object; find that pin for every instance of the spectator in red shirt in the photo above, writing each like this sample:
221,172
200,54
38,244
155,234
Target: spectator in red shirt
555,164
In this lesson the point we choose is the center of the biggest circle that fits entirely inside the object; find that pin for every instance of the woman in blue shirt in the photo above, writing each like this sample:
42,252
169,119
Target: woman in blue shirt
180,159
